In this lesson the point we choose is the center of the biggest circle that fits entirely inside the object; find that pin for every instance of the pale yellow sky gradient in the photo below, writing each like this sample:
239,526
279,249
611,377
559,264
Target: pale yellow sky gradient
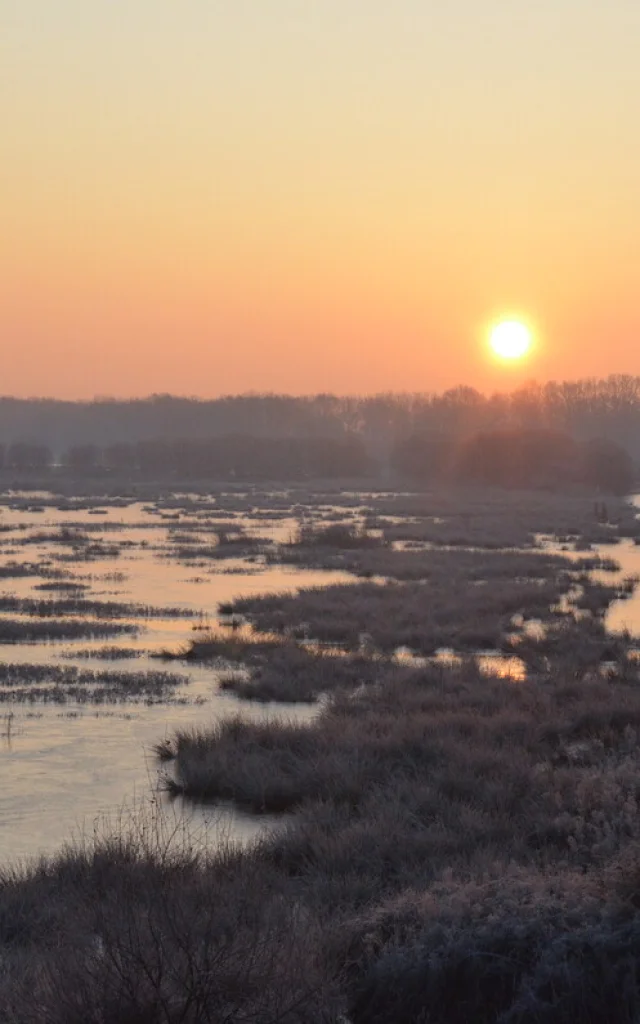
206,197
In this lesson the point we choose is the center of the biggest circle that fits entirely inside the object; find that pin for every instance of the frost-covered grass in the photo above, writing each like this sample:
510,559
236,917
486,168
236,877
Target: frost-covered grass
455,847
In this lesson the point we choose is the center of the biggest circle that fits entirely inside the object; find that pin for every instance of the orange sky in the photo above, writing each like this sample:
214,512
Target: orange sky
303,195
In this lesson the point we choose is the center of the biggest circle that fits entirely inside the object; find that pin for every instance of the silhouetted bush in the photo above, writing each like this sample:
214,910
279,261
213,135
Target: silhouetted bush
337,535
537,966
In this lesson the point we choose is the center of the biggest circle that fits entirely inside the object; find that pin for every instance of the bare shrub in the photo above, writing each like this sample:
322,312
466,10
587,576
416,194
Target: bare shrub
142,928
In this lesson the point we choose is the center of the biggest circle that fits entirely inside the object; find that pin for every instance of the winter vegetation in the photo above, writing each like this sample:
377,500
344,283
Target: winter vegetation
14,631
80,606
458,847
460,599
442,843
59,684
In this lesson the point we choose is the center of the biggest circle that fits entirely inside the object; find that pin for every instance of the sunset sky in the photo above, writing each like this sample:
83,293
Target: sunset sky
214,196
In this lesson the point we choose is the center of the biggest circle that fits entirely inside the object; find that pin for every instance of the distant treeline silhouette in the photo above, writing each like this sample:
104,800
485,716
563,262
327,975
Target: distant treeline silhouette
524,458
517,459
607,408
221,458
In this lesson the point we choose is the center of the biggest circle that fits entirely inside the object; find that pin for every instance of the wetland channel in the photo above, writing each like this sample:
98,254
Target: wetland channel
90,595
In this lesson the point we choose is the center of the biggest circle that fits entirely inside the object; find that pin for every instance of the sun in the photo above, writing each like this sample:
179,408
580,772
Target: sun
510,339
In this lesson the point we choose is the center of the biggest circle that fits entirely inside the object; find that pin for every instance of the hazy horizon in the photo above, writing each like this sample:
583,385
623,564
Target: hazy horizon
210,199
517,386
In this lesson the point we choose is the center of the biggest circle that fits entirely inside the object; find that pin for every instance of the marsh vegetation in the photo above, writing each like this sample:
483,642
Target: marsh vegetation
444,826
447,844
466,602
61,684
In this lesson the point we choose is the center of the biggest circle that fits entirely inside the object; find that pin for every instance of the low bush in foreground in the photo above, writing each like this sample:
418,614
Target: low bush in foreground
526,950
464,849
134,931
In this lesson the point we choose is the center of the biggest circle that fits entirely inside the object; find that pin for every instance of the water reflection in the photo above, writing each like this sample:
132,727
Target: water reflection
490,663
64,767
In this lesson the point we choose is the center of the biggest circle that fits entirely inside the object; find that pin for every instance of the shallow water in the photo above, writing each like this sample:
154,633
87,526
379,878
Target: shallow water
64,767
490,663
623,615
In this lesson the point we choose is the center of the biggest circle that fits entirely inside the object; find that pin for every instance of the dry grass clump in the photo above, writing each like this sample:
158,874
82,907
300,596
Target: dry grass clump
16,631
450,738
575,647
418,793
19,570
231,542
415,563
596,597
524,949
58,684
147,928
290,673
63,586
216,645
277,668
65,535
107,653
83,547
420,617
281,766
345,536
49,608
440,598
495,518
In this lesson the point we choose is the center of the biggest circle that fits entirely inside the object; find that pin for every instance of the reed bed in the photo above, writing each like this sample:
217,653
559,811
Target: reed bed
451,846
412,615
106,653
462,847
495,518
60,684
85,606
28,630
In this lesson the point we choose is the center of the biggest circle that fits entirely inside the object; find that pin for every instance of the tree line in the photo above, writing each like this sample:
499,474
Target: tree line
526,458
585,408
242,457
516,458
